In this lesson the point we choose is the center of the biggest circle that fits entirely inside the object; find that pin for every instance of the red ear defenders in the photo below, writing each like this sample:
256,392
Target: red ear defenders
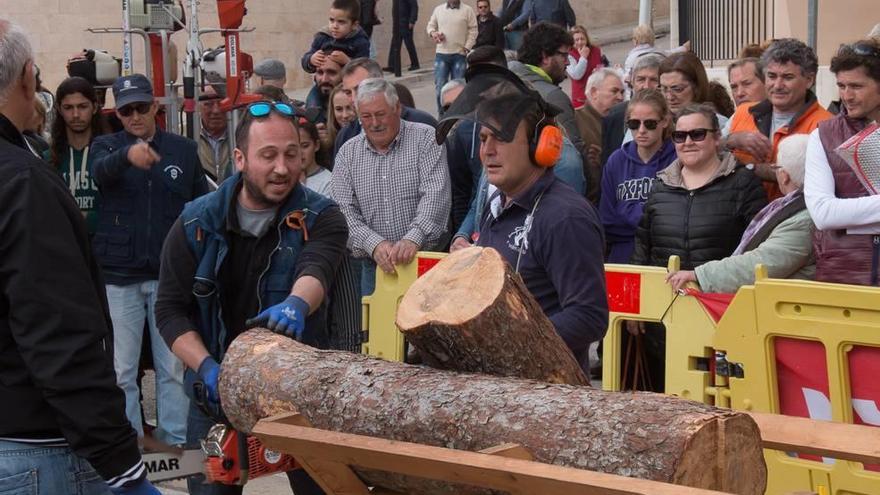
545,147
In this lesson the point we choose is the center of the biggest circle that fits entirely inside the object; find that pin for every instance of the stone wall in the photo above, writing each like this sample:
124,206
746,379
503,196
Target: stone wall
284,29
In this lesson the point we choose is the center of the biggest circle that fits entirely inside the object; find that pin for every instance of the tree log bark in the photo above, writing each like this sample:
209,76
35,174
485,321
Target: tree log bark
642,435
472,313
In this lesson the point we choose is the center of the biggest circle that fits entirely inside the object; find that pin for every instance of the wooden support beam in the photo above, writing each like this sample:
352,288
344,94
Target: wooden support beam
845,441
335,478
472,468
510,450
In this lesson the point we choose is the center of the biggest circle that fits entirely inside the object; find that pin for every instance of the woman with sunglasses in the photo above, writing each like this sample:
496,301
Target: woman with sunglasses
702,202
627,177
698,209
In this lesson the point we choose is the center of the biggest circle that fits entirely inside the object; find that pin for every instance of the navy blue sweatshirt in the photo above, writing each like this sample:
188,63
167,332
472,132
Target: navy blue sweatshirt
355,45
626,182
561,261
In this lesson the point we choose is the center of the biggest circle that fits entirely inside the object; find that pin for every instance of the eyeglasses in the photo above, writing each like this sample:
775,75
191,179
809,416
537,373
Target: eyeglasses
696,135
634,124
264,108
676,90
141,108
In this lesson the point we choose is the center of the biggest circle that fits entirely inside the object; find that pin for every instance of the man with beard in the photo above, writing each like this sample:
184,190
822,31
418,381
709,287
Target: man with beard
541,63
77,121
328,75
263,245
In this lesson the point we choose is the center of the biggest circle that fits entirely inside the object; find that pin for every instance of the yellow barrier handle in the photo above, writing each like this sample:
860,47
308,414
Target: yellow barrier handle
761,272
673,265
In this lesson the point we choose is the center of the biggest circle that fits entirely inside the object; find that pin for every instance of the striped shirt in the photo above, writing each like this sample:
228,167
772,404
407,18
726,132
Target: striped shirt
403,193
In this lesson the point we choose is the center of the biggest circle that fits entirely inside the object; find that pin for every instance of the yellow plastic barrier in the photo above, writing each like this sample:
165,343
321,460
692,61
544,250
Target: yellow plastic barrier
641,293
381,337
810,321
840,321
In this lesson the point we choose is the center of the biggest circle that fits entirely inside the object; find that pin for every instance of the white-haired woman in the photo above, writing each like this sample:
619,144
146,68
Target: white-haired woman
779,236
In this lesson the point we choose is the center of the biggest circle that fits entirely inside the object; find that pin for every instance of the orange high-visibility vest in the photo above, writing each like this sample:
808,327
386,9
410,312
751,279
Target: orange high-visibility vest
805,122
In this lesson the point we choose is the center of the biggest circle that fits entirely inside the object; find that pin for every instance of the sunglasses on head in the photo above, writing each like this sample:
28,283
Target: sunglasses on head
141,108
264,108
634,124
696,135
865,50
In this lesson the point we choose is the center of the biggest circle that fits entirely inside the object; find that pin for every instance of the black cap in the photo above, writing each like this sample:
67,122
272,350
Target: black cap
135,88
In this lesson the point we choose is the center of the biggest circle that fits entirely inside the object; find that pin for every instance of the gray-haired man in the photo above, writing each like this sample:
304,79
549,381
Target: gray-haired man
392,184
65,416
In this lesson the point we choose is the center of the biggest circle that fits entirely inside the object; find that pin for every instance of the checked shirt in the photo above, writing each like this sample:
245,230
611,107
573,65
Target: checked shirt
403,193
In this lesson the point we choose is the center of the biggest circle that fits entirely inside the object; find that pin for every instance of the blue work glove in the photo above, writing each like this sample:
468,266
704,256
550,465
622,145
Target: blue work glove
209,372
142,487
287,318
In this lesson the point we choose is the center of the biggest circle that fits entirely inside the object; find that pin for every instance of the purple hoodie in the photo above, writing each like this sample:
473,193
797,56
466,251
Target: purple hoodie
626,182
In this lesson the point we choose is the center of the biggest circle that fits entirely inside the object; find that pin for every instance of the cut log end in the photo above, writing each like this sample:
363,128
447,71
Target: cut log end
721,442
466,283
472,313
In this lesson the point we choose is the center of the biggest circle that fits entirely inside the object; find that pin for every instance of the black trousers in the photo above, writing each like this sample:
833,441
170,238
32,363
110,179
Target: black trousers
402,35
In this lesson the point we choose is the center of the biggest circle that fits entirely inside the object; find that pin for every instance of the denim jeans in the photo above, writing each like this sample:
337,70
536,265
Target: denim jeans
368,276
130,305
447,66
38,470
513,39
198,425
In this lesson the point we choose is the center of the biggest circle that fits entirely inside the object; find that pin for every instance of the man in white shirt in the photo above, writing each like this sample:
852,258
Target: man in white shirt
847,217
453,26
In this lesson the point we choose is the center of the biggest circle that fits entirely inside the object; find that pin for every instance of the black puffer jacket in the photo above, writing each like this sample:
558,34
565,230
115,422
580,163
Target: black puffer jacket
697,225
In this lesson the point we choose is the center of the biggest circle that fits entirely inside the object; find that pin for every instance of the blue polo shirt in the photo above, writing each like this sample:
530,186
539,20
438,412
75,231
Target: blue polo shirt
562,253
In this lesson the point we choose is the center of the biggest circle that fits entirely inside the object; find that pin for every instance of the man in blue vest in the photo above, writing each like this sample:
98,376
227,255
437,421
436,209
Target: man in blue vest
261,245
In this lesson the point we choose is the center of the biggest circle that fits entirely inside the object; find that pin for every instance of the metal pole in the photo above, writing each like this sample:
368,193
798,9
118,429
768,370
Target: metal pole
127,63
645,17
812,23
190,67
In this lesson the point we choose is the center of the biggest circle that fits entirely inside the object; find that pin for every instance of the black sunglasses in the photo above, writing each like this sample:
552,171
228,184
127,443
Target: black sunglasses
634,124
141,108
696,135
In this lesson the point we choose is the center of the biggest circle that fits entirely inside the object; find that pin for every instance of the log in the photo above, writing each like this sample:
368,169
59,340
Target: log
473,313
642,435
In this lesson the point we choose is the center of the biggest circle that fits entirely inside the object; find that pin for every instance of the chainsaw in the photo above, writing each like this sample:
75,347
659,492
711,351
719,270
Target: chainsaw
226,456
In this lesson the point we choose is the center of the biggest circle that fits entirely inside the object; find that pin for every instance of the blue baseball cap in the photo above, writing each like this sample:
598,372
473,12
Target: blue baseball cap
135,88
